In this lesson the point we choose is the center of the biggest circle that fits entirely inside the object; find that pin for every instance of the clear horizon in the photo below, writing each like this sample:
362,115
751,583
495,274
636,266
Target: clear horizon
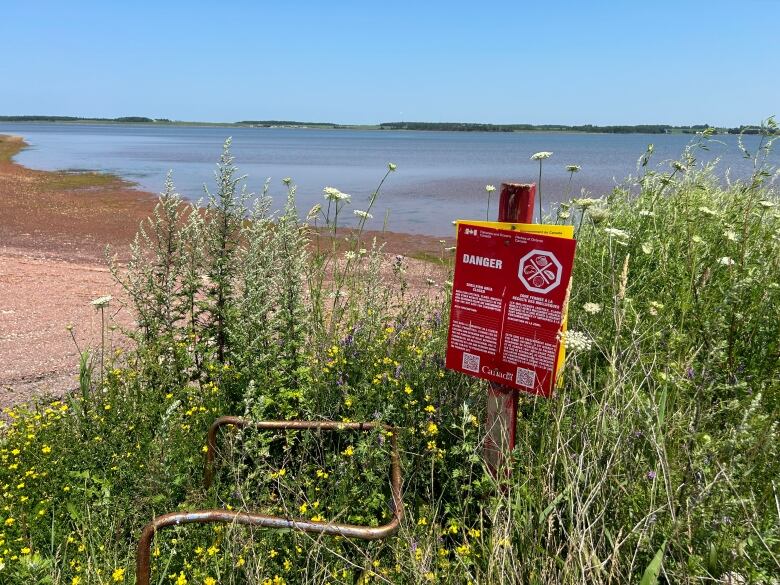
504,63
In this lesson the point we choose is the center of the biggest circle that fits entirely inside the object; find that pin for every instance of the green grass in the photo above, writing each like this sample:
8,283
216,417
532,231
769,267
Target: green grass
73,180
658,455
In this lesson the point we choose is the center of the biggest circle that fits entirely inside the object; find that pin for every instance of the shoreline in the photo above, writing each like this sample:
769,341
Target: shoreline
54,229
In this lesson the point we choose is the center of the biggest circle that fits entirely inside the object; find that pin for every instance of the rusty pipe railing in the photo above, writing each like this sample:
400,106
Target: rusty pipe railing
143,552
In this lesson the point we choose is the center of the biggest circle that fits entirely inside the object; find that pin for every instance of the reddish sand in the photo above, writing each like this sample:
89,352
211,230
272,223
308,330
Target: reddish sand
54,229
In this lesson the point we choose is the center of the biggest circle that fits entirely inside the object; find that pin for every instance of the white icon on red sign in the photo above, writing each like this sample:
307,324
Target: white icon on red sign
540,271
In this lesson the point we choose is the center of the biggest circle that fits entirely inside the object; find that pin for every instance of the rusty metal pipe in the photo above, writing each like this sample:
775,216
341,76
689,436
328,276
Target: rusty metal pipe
143,552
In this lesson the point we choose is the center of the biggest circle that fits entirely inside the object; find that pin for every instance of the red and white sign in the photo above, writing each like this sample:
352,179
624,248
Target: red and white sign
508,297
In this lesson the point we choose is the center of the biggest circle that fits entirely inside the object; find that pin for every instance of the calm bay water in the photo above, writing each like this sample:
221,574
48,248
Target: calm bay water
441,176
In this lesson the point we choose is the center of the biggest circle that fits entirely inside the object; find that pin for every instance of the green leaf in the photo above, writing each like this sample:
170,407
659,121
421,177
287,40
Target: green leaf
650,576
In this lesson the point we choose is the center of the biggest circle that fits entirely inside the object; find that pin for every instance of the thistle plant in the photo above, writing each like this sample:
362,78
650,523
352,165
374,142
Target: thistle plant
541,156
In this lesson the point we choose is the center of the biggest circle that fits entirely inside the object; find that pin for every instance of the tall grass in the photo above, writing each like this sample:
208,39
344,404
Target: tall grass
656,460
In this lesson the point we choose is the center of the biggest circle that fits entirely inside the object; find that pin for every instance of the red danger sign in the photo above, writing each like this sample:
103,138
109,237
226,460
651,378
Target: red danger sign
508,301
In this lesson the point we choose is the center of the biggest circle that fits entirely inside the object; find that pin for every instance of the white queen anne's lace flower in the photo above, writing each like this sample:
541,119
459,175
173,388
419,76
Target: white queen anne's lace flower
585,202
726,261
615,232
333,194
362,214
101,302
577,341
592,308
489,188
541,155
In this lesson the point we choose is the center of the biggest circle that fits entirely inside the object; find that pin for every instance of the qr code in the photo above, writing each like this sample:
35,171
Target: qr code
526,378
470,362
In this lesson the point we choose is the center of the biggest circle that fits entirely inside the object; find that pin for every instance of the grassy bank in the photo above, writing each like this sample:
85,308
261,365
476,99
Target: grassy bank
657,459
10,146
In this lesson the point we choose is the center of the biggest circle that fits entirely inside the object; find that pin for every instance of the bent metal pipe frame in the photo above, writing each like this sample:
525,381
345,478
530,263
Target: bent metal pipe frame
143,552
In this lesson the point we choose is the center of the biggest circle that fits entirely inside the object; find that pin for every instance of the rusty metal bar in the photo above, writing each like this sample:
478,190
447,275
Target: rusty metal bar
143,552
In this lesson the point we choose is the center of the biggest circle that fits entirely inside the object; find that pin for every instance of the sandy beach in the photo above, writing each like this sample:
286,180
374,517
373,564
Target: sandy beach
54,229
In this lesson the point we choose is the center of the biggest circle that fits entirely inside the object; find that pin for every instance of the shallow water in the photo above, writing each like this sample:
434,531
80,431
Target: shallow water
441,176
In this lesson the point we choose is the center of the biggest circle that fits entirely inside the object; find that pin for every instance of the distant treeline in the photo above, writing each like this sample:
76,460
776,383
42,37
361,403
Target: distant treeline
623,129
440,126
270,123
125,119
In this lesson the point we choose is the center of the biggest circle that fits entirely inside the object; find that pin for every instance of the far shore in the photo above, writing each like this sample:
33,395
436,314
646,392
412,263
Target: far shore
55,227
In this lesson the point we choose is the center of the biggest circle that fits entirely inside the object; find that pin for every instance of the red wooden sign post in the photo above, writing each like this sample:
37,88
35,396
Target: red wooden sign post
516,204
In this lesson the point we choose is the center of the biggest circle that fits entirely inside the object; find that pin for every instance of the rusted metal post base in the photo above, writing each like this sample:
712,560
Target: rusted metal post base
515,205
144,550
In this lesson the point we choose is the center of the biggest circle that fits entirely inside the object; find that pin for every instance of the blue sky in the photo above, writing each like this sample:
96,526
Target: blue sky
575,62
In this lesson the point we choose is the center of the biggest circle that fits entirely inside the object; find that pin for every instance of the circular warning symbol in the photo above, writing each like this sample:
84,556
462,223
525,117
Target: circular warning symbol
540,271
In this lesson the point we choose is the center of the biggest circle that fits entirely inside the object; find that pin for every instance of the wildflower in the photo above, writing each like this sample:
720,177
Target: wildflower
423,521
490,188
647,247
362,214
616,233
430,409
26,550
646,213
651,475
118,575
304,507
333,194
598,214
592,308
726,261
697,240
540,156
585,202
348,452
432,429
101,302
573,168
209,581
287,181
391,166
730,235
349,255
577,341
181,579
